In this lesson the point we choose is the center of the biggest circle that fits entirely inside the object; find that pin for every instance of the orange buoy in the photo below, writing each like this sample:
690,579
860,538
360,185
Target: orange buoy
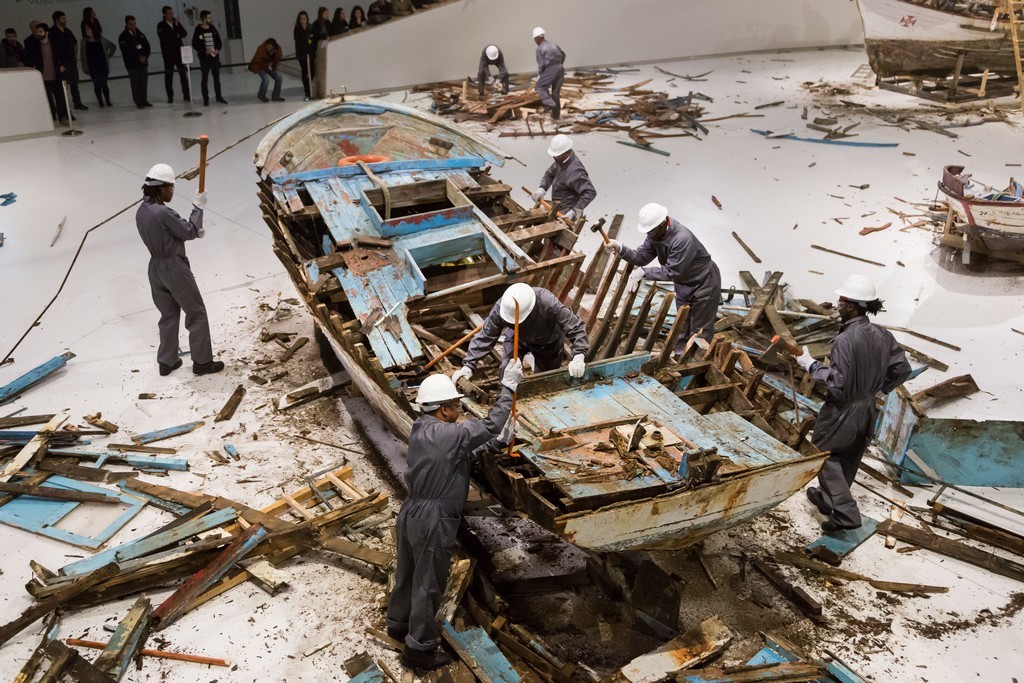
365,158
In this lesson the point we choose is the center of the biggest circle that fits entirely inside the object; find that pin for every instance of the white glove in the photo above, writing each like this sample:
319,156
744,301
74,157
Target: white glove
538,195
201,233
529,363
577,365
513,374
465,372
634,279
200,200
805,359
569,215
613,247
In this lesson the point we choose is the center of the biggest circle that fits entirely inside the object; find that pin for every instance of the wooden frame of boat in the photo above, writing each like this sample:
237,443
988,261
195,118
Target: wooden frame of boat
983,226
398,258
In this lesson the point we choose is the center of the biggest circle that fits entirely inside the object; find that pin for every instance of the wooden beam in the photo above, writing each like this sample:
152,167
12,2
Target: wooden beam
35,446
231,405
810,607
55,493
761,300
801,560
75,664
954,549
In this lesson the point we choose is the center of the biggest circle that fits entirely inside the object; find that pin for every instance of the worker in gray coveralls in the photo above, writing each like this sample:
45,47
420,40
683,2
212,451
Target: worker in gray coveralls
571,189
865,359
174,287
440,453
491,56
544,323
550,73
684,262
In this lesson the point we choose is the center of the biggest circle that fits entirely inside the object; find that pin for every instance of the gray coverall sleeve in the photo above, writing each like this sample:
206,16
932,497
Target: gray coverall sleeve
640,256
475,433
482,73
574,328
548,177
677,262
899,367
179,227
484,340
584,189
833,374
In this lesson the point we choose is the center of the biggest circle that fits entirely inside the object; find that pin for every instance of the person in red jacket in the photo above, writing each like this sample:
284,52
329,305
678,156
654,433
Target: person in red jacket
264,64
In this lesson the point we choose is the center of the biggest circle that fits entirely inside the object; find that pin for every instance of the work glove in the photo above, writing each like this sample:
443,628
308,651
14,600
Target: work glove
569,215
577,365
200,200
201,233
805,360
538,195
529,363
613,247
465,372
513,374
634,279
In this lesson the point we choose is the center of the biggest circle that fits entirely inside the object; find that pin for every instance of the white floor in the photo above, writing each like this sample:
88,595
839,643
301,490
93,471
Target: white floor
776,194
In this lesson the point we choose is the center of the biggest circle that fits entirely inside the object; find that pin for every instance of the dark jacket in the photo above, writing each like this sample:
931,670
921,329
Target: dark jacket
321,31
34,56
170,41
134,49
305,44
378,12
14,55
65,46
199,43
570,184
338,26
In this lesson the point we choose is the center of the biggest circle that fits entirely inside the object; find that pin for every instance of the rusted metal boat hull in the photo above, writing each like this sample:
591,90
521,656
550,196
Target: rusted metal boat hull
682,518
905,38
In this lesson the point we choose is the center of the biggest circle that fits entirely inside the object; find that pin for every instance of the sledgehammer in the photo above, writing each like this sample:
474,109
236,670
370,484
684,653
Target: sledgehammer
202,141
599,227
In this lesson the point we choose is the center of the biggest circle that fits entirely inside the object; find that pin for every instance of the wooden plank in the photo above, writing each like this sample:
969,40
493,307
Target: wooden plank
954,549
845,541
61,597
231,405
810,607
780,672
55,493
480,654
126,640
22,420
167,433
696,645
175,605
801,560
76,666
760,301
34,376
347,548
33,447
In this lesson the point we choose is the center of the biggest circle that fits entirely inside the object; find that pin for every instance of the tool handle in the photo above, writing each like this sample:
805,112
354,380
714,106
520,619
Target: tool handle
515,356
453,346
599,227
203,141
787,346
547,205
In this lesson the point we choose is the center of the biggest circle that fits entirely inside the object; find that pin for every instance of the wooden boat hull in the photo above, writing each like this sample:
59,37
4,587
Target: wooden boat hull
903,38
998,226
682,518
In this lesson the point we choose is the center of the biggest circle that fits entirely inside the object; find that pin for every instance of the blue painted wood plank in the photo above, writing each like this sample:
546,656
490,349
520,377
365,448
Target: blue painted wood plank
146,461
173,508
423,222
479,652
144,546
371,674
844,542
364,300
747,441
452,163
846,143
810,404
166,433
40,516
34,376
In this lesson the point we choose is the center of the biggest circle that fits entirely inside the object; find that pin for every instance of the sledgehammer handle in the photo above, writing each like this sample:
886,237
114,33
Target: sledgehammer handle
203,141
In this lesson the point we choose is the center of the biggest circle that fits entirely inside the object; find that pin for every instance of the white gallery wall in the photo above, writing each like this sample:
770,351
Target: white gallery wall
445,42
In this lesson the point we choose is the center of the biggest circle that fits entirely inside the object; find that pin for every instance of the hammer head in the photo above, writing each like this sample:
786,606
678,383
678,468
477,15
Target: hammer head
189,142
596,227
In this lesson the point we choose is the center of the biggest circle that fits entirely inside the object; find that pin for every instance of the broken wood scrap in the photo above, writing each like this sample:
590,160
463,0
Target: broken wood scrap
54,493
158,654
810,607
801,560
878,228
955,387
126,640
167,433
693,647
750,252
70,468
35,660
74,664
845,255
774,672
231,405
96,420
33,377
287,355
21,421
954,549
35,446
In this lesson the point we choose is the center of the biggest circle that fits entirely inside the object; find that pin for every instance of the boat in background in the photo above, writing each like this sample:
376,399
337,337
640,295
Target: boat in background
399,241
982,219
927,38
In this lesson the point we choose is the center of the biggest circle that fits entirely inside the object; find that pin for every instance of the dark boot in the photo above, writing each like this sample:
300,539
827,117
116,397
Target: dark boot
815,496
168,369
397,634
207,368
831,527
424,660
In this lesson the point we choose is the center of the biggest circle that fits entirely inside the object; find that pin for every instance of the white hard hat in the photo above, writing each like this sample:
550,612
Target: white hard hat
492,52
435,390
651,216
538,32
858,288
524,294
560,144
161,174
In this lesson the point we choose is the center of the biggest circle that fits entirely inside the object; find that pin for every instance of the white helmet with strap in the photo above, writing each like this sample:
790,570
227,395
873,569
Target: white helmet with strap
161,174
524,294
435,391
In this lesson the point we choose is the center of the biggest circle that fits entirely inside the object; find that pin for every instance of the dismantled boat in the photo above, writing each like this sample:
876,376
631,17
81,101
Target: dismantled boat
930,37
399,241
981,218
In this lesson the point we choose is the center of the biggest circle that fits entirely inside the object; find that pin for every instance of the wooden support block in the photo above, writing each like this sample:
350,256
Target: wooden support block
810,607
97,421
760,301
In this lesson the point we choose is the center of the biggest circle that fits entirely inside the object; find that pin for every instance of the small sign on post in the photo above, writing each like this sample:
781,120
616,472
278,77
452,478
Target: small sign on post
186,55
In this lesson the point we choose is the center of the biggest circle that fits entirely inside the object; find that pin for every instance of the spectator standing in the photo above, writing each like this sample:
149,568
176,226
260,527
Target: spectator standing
170,33
420,4
357,17
135,51
338,25
264,64
377,12
65,47
95,54
305,49
400,8
322,26
39,54
14,52
207,44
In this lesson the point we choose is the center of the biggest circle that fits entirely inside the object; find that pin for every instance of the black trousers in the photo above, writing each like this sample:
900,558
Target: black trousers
169,80
71,76
308,66
206,67
139,80
55,97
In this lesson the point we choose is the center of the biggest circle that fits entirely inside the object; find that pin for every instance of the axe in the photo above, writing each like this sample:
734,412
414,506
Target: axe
202,141
771,354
